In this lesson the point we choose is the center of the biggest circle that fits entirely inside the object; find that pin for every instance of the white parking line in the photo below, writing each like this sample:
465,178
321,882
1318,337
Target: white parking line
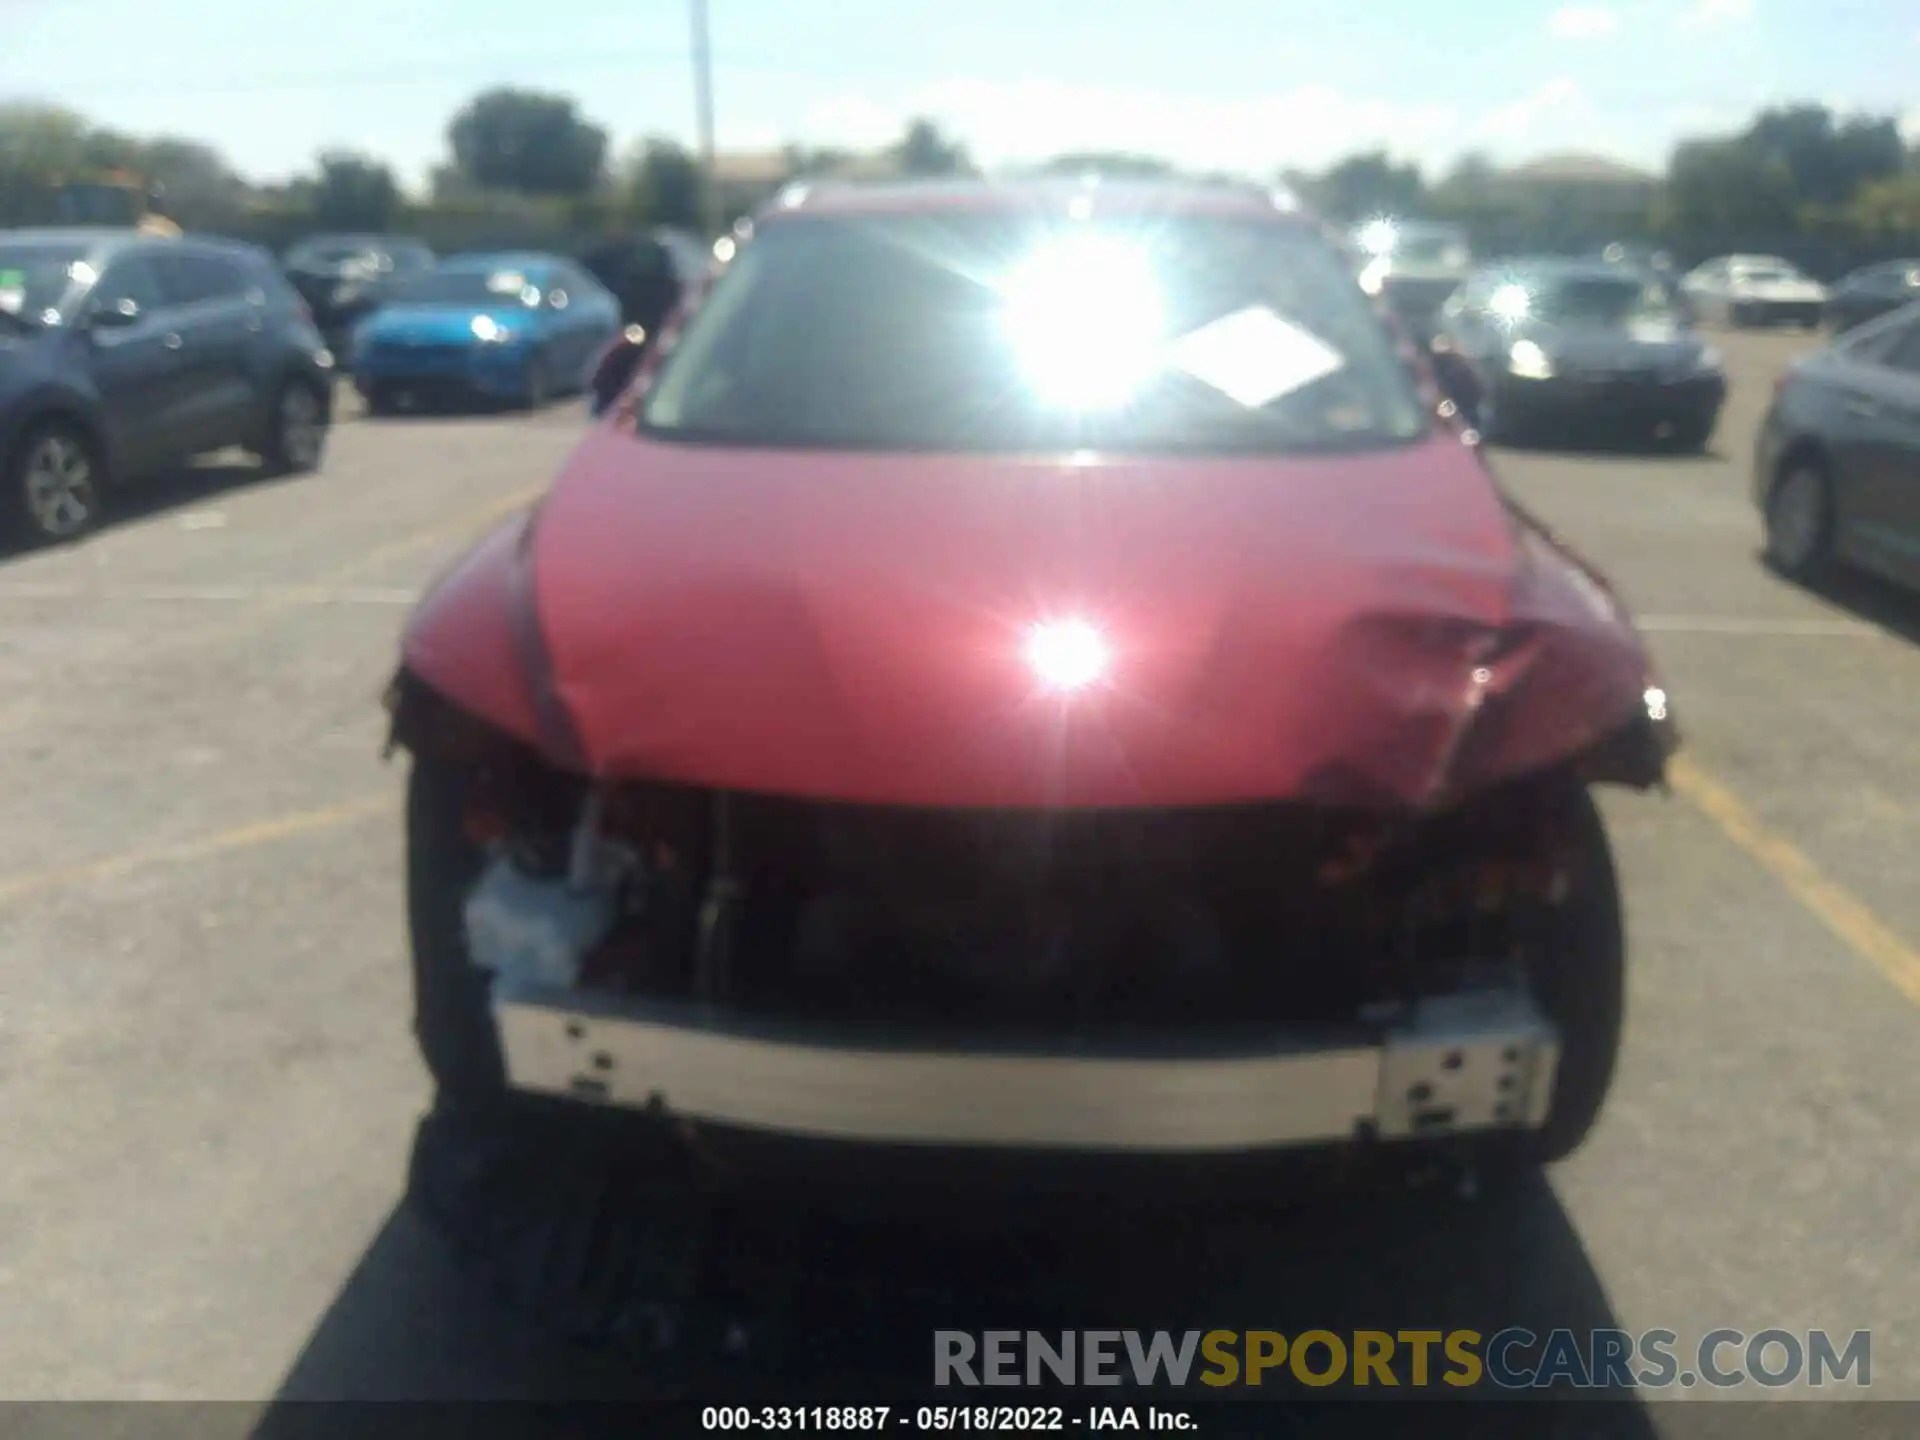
216,594
1755,625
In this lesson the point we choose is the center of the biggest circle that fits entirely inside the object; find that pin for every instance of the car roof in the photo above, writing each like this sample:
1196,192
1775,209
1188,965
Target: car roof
94,238
1564,267
1063,194
356,237
100,241
662,235
521,260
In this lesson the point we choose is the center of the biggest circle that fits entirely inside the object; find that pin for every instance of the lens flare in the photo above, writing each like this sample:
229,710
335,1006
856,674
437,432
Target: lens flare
1378,237
1084,317
1527,360
1068,655
1511,303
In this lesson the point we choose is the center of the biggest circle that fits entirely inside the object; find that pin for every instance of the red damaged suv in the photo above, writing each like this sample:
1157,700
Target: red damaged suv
1027,669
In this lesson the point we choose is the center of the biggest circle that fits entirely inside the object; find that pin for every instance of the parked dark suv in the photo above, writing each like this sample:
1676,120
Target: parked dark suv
648,272
345,278
122,355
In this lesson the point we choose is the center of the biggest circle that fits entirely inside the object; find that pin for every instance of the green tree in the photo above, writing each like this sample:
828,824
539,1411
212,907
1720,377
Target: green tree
804,160
1889,208
667,185
41,145
1721,193
926,150
38,145
527,141
112,150
354,192
1827,159
1470,185
1370,184
1118,163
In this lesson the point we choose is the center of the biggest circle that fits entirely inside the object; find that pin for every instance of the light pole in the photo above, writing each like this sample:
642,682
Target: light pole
703,105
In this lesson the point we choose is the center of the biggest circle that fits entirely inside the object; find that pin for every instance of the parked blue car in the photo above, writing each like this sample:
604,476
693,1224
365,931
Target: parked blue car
508,328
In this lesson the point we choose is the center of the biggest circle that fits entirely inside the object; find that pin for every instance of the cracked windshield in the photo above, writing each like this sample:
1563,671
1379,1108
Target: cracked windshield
982,717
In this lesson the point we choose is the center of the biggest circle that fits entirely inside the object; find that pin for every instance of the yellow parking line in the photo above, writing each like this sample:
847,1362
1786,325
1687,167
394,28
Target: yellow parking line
1850,919
261,832
463,526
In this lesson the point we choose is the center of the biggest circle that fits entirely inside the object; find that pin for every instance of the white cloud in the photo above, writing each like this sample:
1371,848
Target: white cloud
1693,120
1583,22
1703,14
853,121
1558,108
1009,123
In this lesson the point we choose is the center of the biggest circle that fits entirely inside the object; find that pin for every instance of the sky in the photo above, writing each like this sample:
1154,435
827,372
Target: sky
1244,85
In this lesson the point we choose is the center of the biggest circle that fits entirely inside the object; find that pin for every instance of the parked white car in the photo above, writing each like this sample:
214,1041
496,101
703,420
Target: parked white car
1743,290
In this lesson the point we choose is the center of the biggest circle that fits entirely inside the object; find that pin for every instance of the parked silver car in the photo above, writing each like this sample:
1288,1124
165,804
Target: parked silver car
1746,290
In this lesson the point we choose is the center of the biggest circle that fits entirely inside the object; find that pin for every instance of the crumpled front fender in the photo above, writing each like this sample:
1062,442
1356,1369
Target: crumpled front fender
1588,689
475,641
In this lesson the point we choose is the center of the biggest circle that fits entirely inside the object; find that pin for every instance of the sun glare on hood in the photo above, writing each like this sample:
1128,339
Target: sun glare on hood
1084,317
1068,655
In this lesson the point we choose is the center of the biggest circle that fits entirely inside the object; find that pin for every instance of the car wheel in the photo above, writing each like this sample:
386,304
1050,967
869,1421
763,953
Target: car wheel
601,1240
56,478
1799,521
1580,981
1691,435
452,1019
297,430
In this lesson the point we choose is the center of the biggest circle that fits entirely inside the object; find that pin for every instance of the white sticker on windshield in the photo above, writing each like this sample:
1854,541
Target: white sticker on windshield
1254,357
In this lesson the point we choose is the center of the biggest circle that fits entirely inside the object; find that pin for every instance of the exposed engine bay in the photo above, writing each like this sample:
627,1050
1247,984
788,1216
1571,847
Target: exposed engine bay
1212,917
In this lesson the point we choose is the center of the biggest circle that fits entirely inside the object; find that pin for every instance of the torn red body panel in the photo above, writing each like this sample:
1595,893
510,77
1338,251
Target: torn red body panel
1376,630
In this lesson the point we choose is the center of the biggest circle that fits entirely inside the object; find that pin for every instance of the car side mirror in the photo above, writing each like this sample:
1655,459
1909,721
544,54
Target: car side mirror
1456,379
114,315
615,369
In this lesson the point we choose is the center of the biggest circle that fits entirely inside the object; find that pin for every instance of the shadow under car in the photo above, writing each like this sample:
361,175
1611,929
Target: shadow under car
597,1288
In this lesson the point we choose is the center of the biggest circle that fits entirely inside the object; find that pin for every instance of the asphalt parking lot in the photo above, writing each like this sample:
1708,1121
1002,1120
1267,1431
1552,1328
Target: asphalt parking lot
207,1084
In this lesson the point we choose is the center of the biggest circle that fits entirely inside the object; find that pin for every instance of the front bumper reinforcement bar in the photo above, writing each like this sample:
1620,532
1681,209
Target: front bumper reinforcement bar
1459,1064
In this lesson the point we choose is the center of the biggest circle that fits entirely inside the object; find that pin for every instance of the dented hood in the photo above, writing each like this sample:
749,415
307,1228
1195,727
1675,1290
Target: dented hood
1376,630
